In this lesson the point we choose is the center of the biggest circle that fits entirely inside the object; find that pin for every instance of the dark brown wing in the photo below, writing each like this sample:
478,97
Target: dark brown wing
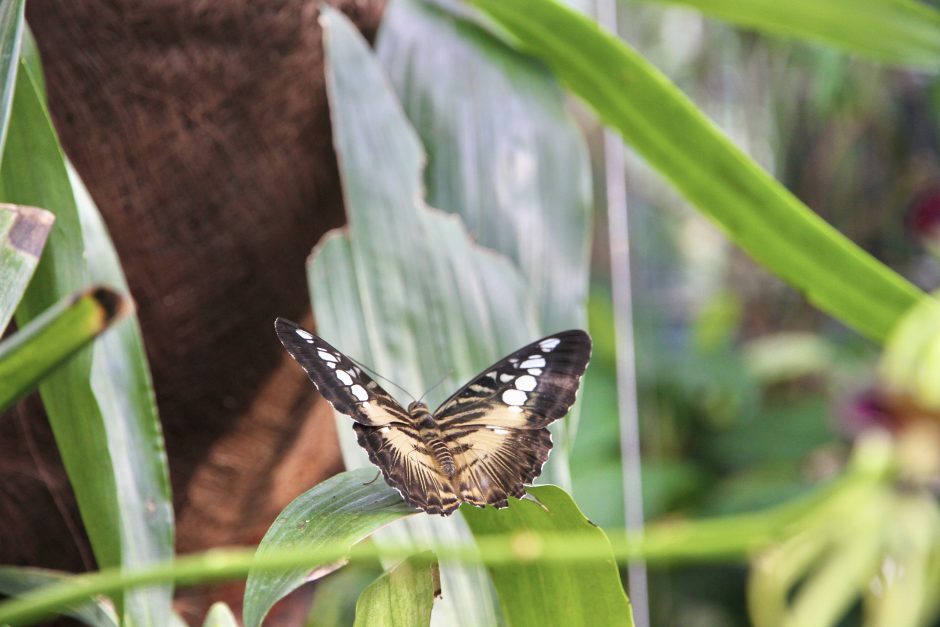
339,379
495,426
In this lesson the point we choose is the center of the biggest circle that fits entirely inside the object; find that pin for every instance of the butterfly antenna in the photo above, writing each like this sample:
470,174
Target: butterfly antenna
439,381
378,376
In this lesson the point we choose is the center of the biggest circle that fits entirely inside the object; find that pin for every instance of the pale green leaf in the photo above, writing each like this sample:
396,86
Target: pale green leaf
503,153
401,597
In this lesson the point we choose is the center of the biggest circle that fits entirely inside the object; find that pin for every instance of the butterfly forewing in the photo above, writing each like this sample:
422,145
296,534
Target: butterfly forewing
339,379
495,425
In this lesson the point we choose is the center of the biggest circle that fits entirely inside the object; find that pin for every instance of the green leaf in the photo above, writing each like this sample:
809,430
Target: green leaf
343,509
504,154
100,404
404,288
675,137
11,37
903,32
541,593
23,233
50,339
220,615
16,581
402,597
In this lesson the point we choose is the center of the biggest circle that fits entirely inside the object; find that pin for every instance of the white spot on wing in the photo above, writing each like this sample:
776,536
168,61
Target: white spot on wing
304,334
526,383
359,392
333,366
548,345
535,371
514,409
325,356
536,361
497,430
384,429
514,397
344,377
506,378
491,374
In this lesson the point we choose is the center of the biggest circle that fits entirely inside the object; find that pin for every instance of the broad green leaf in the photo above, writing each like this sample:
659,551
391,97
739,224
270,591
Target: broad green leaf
343,509
11,37
504,155
404,288
23,233
220,615
538,593
401,597
903,32
50,339
663,126
100,404
15,581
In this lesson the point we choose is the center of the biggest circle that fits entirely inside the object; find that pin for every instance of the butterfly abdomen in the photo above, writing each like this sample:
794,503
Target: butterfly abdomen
431,435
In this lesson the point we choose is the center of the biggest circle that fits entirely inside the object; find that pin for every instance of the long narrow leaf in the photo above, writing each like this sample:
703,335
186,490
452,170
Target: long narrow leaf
11,37
903,32
402,597
23,233
100,403
758,213
341,510
50,339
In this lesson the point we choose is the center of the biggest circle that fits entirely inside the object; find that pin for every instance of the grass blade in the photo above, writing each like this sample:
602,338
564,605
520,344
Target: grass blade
343,509
401,597
901,32
23,233
756,212
100,403
50,339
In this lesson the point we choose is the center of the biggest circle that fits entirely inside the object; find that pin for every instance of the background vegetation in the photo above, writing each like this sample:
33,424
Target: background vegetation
788,409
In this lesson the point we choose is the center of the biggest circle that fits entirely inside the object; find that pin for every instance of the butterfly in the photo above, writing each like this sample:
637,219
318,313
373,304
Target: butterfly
481,446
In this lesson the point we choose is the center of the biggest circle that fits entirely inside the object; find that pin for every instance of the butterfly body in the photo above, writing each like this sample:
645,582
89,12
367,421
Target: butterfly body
481,446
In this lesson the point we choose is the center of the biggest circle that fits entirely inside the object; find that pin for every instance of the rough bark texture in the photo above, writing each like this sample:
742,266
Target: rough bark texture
202,131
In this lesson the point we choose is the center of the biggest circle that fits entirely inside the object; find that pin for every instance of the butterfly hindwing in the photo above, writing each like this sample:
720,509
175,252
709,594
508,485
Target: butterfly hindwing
339,379
409,467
